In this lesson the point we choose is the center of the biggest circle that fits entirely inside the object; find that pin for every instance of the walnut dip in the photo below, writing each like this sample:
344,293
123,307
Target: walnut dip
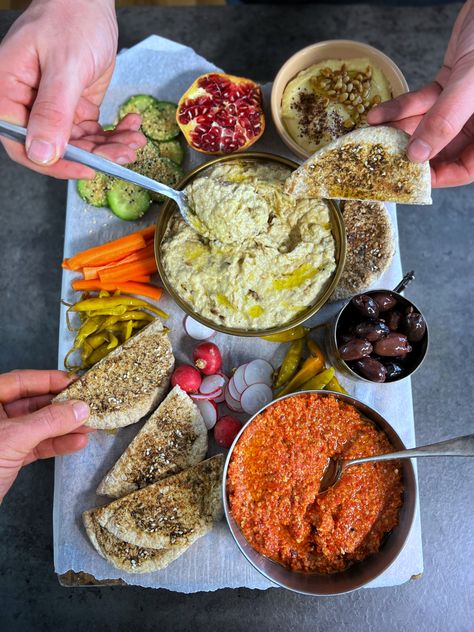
276,266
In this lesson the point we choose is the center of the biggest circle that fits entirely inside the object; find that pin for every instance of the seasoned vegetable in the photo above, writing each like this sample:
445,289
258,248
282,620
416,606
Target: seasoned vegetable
94,191
159,121
128,201
137,104
171,149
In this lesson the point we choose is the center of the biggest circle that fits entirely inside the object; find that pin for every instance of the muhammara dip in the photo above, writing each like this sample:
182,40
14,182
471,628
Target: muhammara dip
281,257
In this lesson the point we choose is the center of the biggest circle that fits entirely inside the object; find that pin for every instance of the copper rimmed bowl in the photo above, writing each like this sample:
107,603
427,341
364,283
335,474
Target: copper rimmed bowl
337,228
360,573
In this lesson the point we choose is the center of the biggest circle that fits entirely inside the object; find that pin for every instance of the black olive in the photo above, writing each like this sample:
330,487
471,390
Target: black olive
393,319
372,330
344,337
366,305
384,300
392,345
371,369
413,325
355,349
394,370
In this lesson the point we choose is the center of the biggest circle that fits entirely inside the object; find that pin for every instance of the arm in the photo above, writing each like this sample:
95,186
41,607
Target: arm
56,63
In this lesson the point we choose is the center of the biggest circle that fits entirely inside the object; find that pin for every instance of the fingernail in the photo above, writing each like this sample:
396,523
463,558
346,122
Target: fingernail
418,150
81,410
41,152
135,145
122,160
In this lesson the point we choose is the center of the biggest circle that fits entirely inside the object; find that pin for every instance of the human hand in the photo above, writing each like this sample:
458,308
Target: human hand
56,62
31,427
440,115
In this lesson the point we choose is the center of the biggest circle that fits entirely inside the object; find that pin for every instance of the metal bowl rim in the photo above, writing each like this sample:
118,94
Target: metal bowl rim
407,463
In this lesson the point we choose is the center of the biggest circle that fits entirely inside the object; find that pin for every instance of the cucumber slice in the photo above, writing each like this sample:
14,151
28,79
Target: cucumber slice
149,163
172,149
137,104
159,121
108,128
94,191
128,201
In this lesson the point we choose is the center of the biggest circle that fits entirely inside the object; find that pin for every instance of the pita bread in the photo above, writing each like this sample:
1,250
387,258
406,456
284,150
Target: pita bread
129,382
370,246
369,163
173,439
170,513
124,556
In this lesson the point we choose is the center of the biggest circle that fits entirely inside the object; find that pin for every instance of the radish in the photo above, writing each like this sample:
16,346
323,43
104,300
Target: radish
234,393
256,397
258,371
212,383
197,330
221,398
225,430
208,396
209,413
186,377
207,358
239,379
232,403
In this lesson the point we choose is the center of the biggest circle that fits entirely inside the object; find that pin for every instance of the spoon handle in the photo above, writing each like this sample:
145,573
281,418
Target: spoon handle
96,162
459,446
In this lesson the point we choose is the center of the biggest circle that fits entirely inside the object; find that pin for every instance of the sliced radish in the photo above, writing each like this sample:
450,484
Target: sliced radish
232,403
209,413
200,397
258,372
220,398
197,330
239,380
212,383
234,393
255,397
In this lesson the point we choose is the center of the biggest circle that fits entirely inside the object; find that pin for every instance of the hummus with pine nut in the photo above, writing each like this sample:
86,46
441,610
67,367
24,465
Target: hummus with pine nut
257,275
331,98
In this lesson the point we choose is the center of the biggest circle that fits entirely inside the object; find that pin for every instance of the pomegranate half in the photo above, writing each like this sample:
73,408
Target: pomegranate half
220,113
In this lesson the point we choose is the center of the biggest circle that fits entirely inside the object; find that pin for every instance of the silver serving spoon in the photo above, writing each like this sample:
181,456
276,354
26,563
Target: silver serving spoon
18,134
459,446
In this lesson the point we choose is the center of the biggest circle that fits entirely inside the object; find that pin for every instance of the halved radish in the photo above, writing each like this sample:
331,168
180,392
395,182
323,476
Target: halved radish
209,413
238,377
255,397
258,371
212,383
232,403
234,393
209,396
197,330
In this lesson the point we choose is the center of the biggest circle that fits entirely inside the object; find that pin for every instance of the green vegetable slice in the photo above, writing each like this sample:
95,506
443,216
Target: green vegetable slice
128,201
149,163
137,104
94,191
171,149
159,121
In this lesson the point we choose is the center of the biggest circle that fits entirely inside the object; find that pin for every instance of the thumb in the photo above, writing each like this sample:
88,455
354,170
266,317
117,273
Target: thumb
443,121
52,115
55,420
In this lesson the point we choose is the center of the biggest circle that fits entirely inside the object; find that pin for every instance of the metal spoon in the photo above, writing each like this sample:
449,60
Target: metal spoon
459,446
18,134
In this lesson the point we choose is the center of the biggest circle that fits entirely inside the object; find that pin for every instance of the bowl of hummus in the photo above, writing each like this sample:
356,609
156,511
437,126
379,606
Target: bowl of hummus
326,90
254,261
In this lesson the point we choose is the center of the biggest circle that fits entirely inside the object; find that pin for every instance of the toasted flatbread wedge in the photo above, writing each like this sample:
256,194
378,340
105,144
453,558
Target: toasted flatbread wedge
129,382
125,556
369,163
173,512
370,246
173,439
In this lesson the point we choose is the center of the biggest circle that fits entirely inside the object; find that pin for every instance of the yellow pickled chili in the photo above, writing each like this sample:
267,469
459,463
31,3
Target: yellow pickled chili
319,381
290,334
310,367
290,362
335,385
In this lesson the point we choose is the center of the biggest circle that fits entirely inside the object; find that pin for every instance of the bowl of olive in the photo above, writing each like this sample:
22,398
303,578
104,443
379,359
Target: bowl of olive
379,336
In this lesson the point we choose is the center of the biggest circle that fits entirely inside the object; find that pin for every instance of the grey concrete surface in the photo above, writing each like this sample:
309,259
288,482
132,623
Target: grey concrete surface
435,241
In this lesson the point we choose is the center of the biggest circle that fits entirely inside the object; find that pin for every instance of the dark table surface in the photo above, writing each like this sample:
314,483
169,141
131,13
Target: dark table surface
435,241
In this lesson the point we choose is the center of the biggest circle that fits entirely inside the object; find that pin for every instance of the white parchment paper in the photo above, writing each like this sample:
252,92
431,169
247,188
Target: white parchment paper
166,69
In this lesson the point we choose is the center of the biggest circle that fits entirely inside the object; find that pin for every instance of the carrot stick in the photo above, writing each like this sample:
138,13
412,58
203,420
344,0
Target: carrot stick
143,279
130,287
128,271
92,272
106,253
148,232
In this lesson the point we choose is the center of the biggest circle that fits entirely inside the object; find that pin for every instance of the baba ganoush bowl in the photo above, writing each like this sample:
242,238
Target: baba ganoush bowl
304,59
167,220
358,573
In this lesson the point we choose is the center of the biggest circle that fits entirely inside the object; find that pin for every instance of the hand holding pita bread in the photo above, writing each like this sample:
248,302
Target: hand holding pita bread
31,427
440,115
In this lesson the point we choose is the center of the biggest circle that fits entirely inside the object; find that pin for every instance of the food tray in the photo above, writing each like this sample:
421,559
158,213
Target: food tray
161,67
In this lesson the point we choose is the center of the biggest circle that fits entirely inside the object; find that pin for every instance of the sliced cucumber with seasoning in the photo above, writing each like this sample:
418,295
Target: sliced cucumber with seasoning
94,191
171,149
149,163
137,104
128,201
159,121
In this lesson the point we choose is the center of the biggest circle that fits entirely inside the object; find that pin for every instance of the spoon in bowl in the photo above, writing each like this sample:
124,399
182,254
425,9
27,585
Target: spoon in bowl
458,446
96,162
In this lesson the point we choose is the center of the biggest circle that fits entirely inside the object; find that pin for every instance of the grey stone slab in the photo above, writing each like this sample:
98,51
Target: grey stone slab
435,241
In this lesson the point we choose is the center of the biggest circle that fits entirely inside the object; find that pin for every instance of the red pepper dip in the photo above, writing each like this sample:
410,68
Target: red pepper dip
274,477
